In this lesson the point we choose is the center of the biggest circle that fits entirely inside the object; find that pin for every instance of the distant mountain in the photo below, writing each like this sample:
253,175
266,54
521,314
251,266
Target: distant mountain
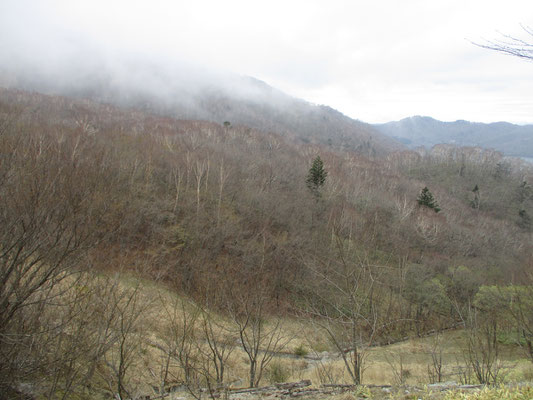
510,139
198,95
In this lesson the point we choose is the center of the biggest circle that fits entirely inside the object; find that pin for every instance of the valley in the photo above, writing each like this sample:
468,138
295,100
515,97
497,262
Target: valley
141,251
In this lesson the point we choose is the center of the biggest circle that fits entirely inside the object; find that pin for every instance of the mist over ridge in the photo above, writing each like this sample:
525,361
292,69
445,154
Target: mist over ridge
184,91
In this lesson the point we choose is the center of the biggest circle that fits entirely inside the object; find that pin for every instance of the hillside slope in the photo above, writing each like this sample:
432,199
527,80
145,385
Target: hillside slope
222,218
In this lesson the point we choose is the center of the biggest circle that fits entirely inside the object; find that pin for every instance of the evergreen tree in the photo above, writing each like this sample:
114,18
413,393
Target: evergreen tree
316,176
426,199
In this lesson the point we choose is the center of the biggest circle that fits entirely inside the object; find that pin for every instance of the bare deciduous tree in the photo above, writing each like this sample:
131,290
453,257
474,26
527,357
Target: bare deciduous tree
183,362
259,339
46,221
344,304
219,345
128,310
481,352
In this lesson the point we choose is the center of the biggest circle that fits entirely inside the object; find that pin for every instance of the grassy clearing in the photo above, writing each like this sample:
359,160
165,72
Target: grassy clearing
408,362
401,363
308,354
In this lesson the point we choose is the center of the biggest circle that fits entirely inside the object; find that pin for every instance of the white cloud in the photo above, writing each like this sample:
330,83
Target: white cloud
373,60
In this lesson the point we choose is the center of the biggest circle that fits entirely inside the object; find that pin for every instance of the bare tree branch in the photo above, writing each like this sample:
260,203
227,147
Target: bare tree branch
511,45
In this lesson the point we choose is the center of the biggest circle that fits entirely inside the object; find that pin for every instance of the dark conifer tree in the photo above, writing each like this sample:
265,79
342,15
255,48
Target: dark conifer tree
426,199
316,176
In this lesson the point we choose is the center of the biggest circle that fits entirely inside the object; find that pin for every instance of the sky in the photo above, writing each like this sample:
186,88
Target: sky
375,60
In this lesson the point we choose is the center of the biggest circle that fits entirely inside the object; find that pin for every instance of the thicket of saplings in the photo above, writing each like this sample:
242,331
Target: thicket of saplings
243,230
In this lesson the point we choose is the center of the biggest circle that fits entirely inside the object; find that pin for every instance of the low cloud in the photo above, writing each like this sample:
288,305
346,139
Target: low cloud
376,62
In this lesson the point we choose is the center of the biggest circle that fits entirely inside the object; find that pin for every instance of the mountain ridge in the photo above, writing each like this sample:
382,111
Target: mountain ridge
508,138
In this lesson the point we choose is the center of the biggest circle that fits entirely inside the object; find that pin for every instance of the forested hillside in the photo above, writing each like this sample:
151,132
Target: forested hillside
224,214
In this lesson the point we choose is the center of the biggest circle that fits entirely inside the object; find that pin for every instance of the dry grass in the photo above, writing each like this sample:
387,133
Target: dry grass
406,362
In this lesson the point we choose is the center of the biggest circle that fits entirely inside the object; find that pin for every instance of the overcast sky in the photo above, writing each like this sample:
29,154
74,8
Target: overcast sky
375,60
